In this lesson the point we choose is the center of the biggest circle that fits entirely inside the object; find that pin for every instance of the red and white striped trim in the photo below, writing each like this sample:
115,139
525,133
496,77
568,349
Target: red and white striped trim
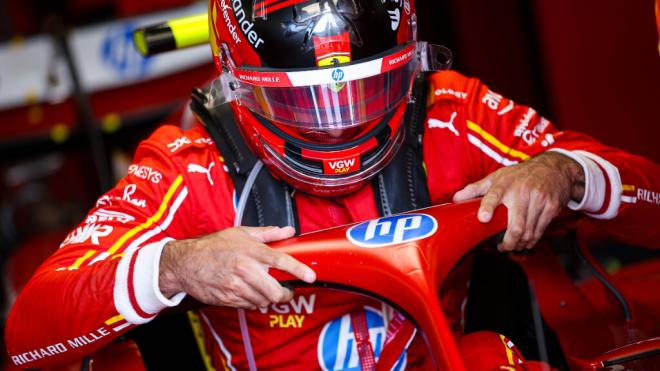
324,76
490,152
136,293
602,188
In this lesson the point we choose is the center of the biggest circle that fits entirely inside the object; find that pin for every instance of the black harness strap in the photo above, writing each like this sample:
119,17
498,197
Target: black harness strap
401,186
269,202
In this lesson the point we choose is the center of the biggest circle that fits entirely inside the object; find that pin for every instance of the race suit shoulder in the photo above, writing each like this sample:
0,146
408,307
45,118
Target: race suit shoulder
473,131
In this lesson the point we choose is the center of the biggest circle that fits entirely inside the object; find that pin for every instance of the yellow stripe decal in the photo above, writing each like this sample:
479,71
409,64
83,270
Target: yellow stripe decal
82,259
628,187
509,353
198,332
495,142
161,210
114,319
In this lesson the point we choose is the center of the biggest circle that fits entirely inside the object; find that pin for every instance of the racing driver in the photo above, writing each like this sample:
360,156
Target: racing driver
326,112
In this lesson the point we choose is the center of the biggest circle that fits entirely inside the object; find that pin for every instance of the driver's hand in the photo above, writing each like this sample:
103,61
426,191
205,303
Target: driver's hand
534,192
230,267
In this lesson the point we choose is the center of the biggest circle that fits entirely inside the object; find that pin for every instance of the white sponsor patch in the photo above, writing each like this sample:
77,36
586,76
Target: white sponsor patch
101,216
91,232
146,173
491,100
299,305
452,92
59,348
531,135
178,143
129,190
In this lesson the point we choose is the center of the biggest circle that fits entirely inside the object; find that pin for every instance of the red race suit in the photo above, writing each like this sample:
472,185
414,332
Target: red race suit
104,278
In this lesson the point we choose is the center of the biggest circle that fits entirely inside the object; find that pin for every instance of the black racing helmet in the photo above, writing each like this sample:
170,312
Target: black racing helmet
315,83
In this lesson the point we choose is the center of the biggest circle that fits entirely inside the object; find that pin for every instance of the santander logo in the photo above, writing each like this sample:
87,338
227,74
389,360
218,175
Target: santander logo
342,166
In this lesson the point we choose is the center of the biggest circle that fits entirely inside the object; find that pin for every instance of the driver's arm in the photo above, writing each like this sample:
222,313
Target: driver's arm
521,160
106,276
101,280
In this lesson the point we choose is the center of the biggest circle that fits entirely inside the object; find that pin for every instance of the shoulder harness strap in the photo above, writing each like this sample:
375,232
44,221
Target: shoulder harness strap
269,201
401,186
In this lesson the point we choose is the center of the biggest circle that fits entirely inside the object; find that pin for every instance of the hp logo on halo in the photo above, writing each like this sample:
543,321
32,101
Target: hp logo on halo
337,349
392,230
337,74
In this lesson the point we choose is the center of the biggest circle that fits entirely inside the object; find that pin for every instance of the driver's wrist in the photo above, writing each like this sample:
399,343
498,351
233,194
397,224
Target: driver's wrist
588,181
168,282
571,169
575,173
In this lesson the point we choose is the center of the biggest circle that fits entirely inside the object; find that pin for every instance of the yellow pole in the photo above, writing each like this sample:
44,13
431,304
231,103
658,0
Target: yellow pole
171,35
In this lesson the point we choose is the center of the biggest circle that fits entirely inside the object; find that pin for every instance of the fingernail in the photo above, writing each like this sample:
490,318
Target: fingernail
484,215
309,277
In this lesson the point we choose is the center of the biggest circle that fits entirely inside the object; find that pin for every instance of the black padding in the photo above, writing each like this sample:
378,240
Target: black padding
401,186
270,202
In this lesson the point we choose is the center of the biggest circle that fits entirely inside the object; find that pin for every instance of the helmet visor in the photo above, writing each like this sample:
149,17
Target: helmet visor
336,105
338,97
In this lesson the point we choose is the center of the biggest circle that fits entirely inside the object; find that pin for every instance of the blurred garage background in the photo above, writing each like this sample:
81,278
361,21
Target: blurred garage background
76,98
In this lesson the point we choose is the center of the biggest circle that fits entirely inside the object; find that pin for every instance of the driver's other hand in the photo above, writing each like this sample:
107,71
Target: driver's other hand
230,267
534,192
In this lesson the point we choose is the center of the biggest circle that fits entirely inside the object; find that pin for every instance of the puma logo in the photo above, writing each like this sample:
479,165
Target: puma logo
433,123
194,168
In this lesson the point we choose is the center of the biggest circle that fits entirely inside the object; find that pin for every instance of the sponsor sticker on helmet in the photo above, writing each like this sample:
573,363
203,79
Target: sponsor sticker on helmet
392,230
337,74
332,50
337,349
341,166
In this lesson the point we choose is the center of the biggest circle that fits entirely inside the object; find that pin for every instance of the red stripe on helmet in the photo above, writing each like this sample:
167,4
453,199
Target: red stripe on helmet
271,8
399,59
264,79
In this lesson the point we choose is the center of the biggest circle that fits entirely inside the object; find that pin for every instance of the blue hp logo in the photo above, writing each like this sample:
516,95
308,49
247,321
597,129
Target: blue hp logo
337,349
337,74
392,230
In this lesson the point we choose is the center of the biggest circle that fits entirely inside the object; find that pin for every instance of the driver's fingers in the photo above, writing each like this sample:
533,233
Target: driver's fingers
473,190
489,202
550,210
516,223
270,234
287,263
248,293
225,297
535,208
266,285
